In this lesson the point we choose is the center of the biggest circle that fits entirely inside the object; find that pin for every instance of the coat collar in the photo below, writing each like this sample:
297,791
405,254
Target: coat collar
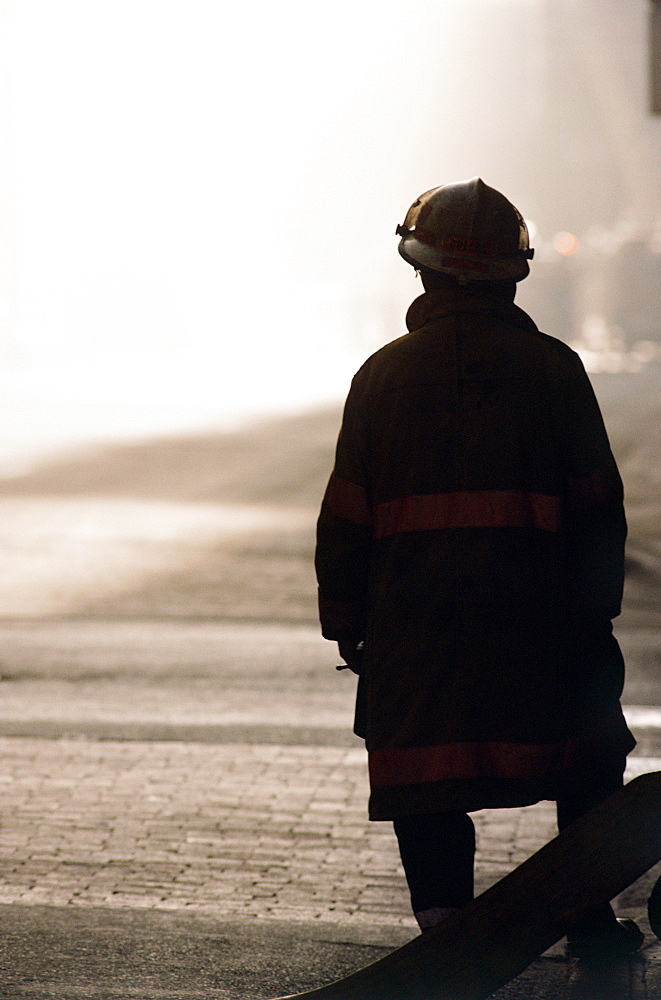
433,305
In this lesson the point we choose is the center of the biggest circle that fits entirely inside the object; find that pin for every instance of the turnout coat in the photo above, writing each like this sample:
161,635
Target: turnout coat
472,534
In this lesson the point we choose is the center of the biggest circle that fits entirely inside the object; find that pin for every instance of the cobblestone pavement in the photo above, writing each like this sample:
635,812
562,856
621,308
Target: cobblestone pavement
243,830
163,786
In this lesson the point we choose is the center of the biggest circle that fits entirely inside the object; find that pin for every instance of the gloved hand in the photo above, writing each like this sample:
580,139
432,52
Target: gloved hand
352,654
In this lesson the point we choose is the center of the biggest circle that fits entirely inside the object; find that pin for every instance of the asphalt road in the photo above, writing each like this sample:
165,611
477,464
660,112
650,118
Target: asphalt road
124,954
210,682
167,586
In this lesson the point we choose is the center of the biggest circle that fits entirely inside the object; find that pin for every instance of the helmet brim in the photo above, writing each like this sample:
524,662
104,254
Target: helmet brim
467,266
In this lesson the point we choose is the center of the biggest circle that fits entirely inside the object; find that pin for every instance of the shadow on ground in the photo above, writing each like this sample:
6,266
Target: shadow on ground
153,955
173,956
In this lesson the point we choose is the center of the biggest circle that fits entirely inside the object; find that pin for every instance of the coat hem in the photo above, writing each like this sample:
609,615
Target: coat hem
467,795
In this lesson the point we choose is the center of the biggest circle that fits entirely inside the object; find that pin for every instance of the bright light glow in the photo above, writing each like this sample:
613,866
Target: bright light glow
203,195
190,181
566,244
602,348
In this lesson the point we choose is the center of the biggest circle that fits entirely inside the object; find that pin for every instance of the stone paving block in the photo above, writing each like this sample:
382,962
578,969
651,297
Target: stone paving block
247,832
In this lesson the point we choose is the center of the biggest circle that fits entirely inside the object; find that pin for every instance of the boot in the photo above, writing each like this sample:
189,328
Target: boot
603,937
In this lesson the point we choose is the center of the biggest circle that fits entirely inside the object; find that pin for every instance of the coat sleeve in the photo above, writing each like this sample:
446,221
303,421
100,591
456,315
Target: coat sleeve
344,530
595,523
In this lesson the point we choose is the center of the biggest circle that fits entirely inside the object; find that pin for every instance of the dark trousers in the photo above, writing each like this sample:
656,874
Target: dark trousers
438,849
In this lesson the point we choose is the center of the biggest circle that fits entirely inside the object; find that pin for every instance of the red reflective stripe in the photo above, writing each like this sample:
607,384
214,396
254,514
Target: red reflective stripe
417,765
347,500
479,509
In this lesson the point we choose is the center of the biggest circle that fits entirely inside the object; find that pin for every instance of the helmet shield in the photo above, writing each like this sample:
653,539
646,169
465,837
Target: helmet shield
468,230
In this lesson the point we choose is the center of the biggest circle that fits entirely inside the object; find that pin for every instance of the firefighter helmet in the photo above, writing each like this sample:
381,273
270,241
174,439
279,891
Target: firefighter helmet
468,230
